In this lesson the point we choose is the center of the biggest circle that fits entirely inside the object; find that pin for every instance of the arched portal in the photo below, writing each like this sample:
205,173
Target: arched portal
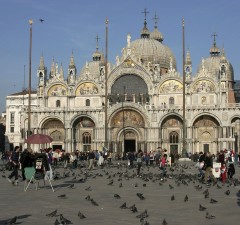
55,129
127,131
83,133
172,133
205,134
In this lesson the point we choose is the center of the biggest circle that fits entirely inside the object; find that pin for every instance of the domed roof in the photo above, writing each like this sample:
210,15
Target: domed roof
213,66
157,35
92,68
151,50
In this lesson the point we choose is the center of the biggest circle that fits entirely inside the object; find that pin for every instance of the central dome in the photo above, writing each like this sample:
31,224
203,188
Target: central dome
151,50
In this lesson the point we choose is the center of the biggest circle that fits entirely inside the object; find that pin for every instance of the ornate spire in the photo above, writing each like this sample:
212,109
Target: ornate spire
145,32
188,58
52,71
41,64
61,71
214,51
72,62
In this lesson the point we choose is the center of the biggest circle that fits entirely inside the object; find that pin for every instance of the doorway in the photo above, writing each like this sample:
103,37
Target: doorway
129,146
57,147
205,148
173,149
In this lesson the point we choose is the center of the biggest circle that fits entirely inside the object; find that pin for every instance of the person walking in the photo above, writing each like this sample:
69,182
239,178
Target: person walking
91,158
15,163
208,164
139,162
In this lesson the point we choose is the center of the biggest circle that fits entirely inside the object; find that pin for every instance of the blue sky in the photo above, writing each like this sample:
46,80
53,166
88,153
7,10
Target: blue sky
72,25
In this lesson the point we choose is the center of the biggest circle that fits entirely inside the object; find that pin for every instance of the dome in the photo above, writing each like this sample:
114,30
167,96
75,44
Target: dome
151,50
213,65
157,35
92,68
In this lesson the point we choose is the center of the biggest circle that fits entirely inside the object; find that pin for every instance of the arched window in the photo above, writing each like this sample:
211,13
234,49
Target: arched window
171,101
87,102
173,137
58,103
87,140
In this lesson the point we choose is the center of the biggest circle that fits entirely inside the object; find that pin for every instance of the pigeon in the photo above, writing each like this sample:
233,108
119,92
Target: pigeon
144,185
202,208
52,214
88,198
12,221
213,201
93,202
218,186
62,196
71,186
164,222
227,192
172,197
88,188
143,215
120,185
140,195
63,220
57,222
133,208
81,216
136,184
209,216
117,196
41,20
186,198
110,183
170,186
206,195
123,206
205,192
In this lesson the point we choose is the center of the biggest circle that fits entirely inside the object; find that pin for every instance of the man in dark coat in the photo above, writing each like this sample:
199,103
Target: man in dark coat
15,163
26,160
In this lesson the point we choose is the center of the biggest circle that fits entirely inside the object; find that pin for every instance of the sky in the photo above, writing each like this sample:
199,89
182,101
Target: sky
72,26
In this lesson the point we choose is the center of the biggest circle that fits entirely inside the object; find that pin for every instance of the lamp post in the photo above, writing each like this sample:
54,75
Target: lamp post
29,82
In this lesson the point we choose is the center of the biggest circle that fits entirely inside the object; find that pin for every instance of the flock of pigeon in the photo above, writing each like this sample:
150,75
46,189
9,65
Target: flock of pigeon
117,175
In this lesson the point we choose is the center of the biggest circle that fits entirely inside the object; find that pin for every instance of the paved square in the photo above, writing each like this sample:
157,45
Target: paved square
32,206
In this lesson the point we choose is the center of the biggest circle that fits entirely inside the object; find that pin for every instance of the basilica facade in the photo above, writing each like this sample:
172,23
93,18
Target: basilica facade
144,107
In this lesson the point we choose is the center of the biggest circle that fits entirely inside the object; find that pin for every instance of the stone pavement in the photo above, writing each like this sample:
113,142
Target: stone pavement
32,206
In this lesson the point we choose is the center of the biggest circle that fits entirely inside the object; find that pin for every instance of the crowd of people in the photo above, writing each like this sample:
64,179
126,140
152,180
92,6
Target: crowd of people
226,160
18,159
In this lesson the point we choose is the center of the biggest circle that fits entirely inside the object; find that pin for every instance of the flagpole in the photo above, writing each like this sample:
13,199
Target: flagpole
184,84
29,81
106,87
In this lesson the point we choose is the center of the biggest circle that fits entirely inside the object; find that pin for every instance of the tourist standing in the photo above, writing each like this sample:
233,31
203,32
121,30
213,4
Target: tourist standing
15,163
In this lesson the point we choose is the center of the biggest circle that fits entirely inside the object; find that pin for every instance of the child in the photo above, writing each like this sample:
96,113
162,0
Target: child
223,173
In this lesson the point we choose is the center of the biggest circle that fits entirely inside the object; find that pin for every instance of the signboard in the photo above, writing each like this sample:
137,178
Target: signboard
216,170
